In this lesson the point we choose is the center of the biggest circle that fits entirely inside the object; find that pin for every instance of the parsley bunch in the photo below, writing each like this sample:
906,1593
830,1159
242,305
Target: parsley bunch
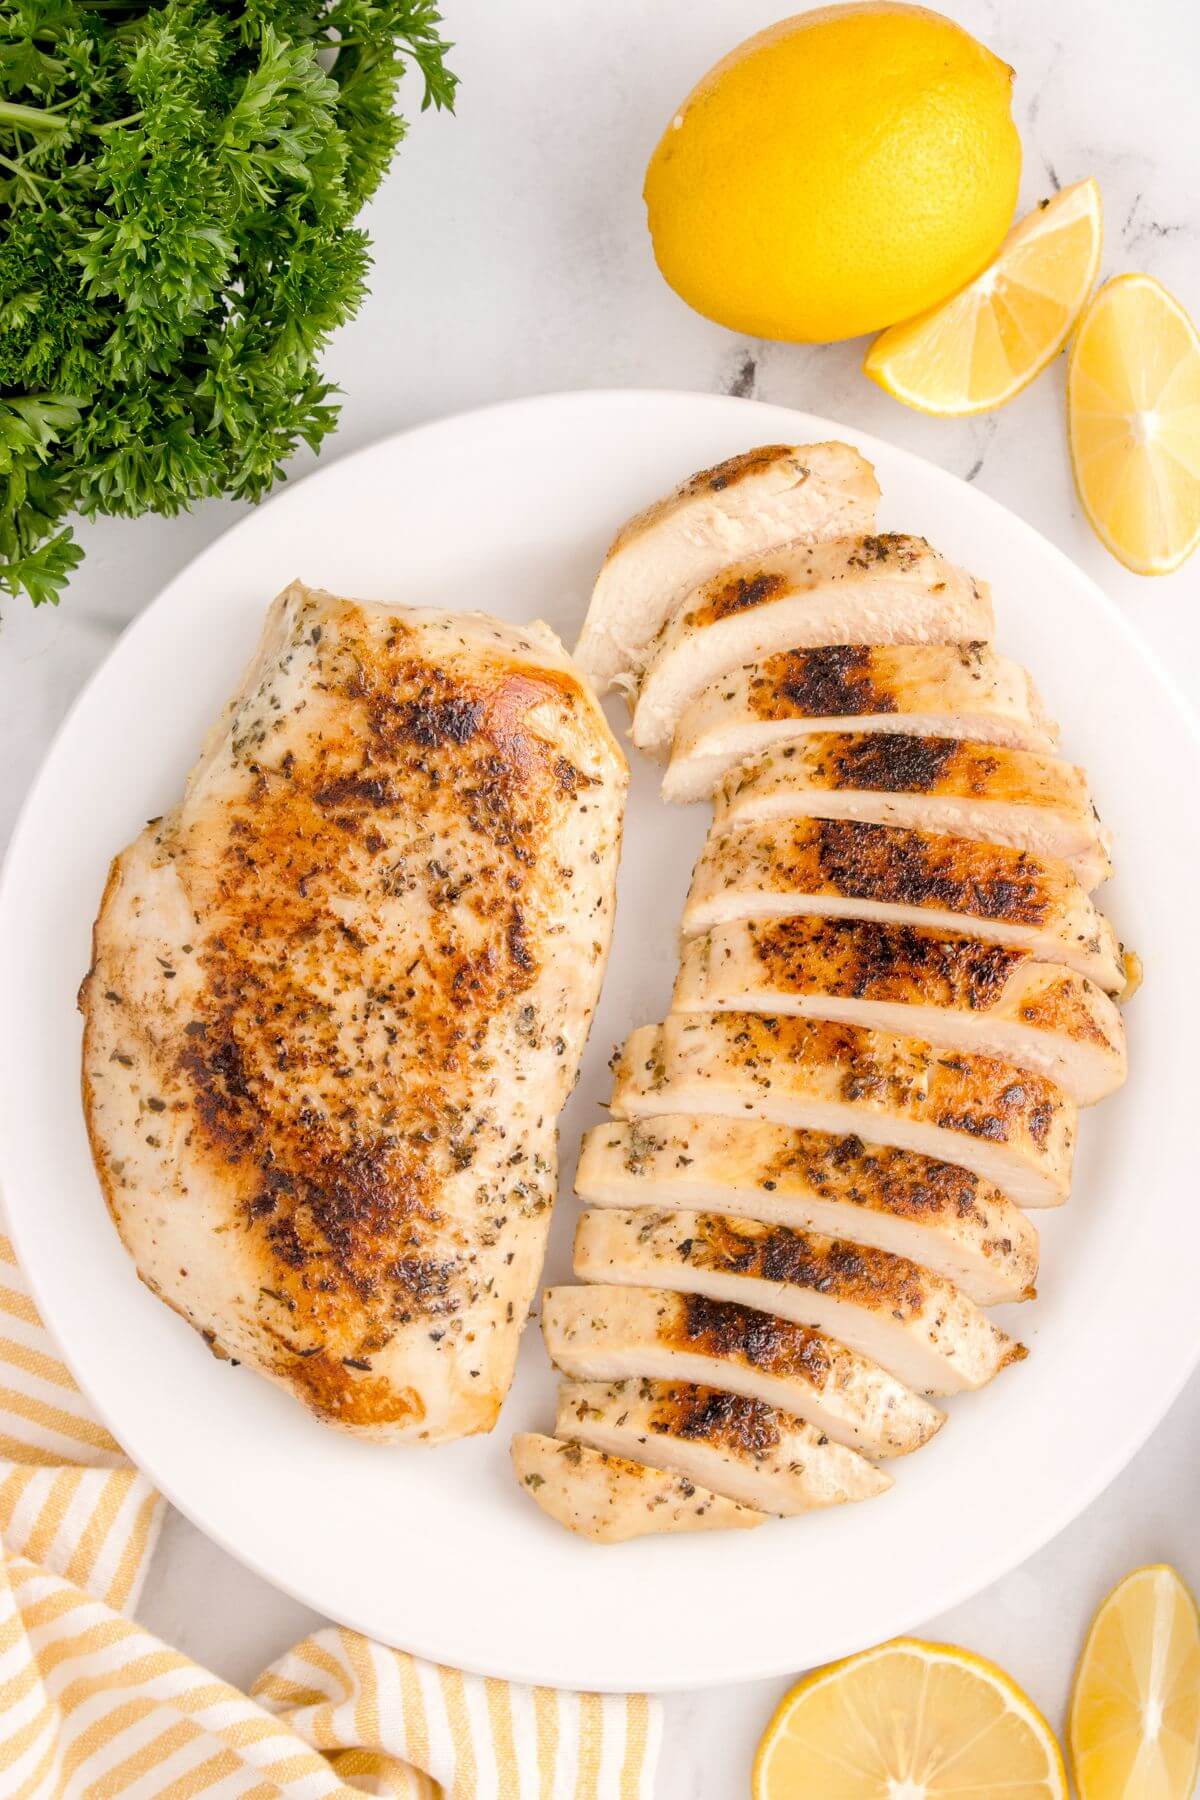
178,182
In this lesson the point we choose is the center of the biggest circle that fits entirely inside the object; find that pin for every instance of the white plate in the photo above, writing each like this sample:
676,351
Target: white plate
510,509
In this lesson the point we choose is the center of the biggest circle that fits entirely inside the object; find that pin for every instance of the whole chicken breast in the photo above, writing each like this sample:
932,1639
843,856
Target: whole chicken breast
925,690
952,990
936,1213
983,791
338,996
888,589
608,1333
774,494
851,869
1014,1129
910,1321
745,1449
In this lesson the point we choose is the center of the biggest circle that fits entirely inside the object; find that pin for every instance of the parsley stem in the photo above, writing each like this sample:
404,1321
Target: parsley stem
29,118
115,124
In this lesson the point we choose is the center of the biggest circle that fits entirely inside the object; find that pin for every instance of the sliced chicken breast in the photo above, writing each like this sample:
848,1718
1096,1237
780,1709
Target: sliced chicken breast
844,868
599,1333
981,791
775,494
938,1214
850,590
956,992
743,1449
933,690
611,1498
1014,1129
911,1322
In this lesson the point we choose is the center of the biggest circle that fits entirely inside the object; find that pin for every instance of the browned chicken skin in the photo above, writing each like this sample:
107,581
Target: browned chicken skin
894,994
1014,1129
941,690
936,1213
850,869
609,1333
889,589
882,1306
959,992
988,792
745,1449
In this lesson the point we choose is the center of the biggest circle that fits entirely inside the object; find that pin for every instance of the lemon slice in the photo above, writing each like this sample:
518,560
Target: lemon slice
1133,392
977,350
1135,1708
909,1721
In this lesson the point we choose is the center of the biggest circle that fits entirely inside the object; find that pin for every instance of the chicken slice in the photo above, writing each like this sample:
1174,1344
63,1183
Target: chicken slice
933,690
612,1498
338,996
849,590
956,992
775,494
744,1449
599,1333
911,1322
1014,1129
981,791
938,1214
845,868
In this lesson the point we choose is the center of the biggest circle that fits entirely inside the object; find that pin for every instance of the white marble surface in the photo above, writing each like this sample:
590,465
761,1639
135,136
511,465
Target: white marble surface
511,258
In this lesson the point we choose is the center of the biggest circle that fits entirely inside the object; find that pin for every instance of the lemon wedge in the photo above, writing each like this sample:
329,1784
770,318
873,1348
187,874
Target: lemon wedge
980,348
1133,393
909,1721
1135,1708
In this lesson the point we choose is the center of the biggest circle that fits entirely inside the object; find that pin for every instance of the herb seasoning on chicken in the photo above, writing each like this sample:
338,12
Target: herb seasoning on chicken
338,998
895,993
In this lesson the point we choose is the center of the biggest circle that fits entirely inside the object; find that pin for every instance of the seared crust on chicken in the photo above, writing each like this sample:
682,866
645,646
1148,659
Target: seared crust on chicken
889,589
934,690
888,1309
338,996
843,868
981,791
954,991
940,1215
612,1498
741,1448
609,1333
1014,1129
775,494
894,994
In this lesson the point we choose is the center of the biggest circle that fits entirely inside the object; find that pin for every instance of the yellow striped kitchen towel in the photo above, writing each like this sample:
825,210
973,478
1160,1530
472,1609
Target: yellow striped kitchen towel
94,1708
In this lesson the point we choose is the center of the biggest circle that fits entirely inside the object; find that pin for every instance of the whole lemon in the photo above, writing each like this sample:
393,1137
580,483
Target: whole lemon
840,171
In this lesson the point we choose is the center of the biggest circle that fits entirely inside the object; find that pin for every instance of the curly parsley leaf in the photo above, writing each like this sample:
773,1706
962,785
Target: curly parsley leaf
178,185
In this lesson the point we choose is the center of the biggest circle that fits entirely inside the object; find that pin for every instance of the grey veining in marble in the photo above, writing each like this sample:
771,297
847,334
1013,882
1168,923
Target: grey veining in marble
511,258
